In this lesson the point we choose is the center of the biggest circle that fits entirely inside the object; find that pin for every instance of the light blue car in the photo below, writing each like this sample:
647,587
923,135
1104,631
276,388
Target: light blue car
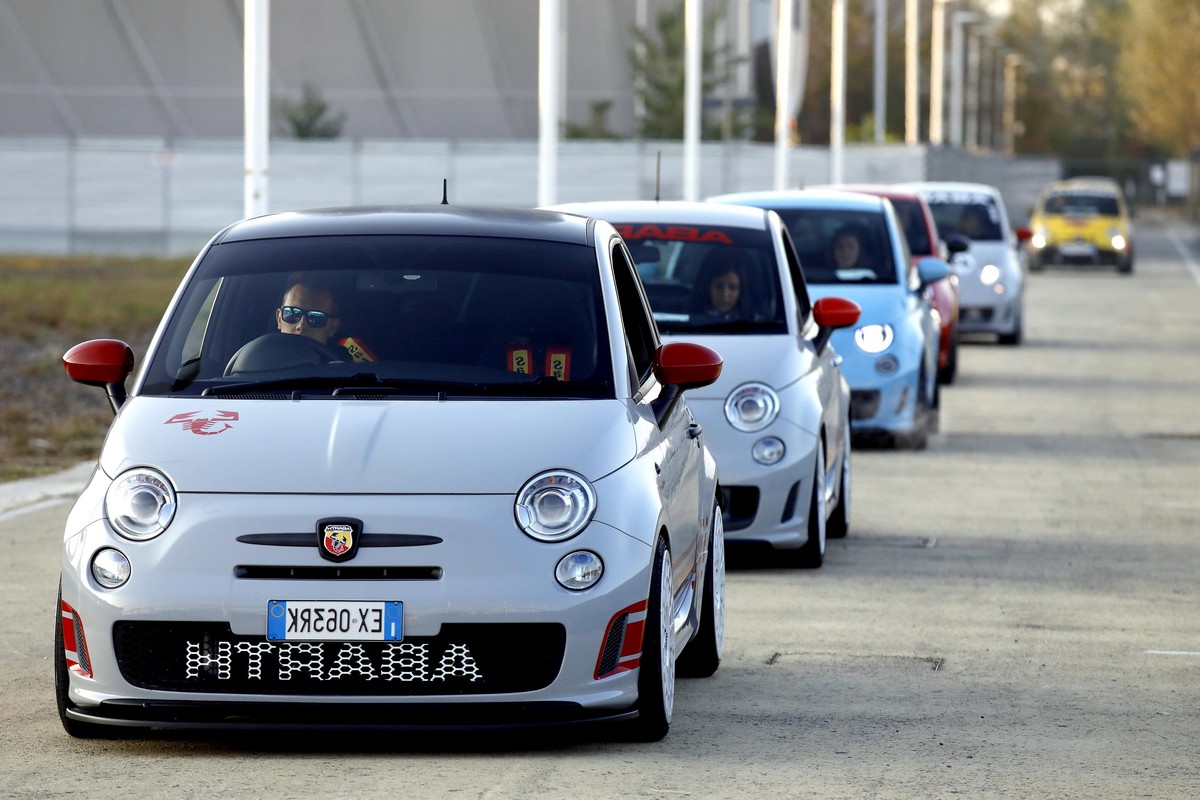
852,246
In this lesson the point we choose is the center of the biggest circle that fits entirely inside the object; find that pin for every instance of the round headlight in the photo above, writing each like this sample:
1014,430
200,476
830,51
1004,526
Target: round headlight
140,504
874,338
1038,241
768,451
579,570
752,407
110,568
1118,241
555,505
989,274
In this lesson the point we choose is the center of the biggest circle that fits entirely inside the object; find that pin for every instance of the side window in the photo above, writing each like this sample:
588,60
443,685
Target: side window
640,332
799,284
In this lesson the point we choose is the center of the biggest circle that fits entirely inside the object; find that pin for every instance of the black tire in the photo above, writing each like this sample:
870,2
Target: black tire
947,374
702,655
80,730
923,419
812,554
656,676
1125,265
1017,334
839,520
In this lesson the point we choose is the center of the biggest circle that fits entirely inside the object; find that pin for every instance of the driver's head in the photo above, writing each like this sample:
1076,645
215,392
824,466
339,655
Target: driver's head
309,311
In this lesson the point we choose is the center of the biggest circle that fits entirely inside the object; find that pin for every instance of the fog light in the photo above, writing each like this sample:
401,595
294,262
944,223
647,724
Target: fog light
579,570
110,568
887,365
768,451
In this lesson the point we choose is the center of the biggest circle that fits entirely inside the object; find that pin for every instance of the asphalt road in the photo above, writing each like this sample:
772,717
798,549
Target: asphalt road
1015,612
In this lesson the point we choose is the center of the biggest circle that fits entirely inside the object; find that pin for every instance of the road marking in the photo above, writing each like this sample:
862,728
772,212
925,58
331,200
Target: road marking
1172,653
1188,261
29,508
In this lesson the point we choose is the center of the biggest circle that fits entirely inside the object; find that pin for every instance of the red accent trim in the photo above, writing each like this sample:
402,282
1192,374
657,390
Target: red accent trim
73,640
631,645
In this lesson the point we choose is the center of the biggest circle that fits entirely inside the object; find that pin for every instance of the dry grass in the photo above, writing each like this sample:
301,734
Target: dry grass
48,422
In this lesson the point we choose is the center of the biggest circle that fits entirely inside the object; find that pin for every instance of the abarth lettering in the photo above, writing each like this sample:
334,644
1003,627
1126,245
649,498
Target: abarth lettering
675,233
411,662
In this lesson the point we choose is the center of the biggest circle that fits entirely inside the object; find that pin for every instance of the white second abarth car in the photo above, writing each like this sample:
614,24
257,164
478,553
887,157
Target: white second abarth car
391,469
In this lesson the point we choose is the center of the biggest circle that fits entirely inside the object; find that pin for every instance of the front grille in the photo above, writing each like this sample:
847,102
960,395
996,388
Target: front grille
463,659
739,506
864,404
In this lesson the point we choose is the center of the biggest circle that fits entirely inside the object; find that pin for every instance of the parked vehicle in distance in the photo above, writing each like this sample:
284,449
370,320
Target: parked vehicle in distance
991,281
850,245
1081,221
777,420
916,220
395,468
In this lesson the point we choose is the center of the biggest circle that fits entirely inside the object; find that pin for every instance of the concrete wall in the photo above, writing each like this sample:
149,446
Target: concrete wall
158,197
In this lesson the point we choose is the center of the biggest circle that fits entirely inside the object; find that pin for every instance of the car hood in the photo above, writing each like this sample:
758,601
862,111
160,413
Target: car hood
355,446
879,304
776,360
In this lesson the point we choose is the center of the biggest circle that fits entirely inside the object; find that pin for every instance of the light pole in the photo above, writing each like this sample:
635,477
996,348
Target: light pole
837,95
937,71
912,29
960,19
1011,62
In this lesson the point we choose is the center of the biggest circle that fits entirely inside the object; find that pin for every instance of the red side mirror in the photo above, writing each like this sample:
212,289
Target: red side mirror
1024,234
687,365
99,362
836,312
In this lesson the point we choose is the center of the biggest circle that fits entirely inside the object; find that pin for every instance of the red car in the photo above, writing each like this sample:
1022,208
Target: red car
917,221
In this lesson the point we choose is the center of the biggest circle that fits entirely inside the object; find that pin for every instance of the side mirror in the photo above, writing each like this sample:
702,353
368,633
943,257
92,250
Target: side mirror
680,366
1024,233
831,313
687,365
957,243
101,362
931,270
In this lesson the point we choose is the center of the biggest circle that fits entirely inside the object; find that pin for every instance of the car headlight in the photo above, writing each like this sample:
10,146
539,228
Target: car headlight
989,274
1118,241
140,504
874,338
1038,240
555,505
752,407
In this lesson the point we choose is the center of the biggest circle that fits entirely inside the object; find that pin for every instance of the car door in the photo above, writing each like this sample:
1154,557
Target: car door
676,441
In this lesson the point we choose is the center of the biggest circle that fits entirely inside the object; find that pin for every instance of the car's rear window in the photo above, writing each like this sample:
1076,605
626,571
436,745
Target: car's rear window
415,316
843,246
912,221
708,278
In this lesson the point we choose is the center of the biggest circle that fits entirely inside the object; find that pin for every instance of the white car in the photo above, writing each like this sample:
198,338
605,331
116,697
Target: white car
991,279
777,420
444,475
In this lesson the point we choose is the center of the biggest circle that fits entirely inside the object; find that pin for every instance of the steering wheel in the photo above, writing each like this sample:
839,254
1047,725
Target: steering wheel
278,351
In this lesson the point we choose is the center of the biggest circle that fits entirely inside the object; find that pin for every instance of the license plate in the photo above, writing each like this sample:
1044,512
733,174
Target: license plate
335,621
1078,249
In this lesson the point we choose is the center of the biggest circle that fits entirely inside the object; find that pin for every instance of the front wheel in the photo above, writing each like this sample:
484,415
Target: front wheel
702,655
839,521
80,730
656,676
812,554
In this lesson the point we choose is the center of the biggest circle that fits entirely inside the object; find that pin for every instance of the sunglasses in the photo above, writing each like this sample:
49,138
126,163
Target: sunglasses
293,314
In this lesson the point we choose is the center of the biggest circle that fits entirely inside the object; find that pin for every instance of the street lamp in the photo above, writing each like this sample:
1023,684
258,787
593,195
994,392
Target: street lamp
960,19
937,70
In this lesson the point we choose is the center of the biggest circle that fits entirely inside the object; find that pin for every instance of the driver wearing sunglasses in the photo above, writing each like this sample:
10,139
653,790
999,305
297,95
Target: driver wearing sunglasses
309,311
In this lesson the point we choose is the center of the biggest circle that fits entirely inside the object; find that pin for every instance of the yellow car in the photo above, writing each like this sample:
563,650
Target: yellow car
1081,221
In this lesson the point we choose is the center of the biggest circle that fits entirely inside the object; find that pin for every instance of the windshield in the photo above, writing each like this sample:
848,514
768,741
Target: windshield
1082,204
708,279
972,214
388,316
839,246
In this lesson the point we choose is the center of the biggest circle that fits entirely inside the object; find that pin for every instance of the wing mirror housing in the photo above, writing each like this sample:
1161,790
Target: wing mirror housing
101,362
832,313
957,243
680,366
931,270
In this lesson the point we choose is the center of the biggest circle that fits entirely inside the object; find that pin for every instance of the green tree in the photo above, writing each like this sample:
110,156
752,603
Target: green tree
309,117
1159,73
658,68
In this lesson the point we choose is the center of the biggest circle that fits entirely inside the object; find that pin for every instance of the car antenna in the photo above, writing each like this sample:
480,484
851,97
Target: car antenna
658,176
445,201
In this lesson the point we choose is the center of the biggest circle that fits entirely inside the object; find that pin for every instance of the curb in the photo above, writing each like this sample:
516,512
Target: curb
30,494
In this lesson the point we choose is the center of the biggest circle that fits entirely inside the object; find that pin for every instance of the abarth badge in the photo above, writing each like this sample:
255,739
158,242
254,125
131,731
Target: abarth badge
338,539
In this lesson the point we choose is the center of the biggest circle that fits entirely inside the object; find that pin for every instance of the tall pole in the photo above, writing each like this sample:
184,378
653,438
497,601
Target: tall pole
961,18
937,71
1011,62
972,123
912,89
256,91
837,94
880,70
549,65
783,91
692,35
